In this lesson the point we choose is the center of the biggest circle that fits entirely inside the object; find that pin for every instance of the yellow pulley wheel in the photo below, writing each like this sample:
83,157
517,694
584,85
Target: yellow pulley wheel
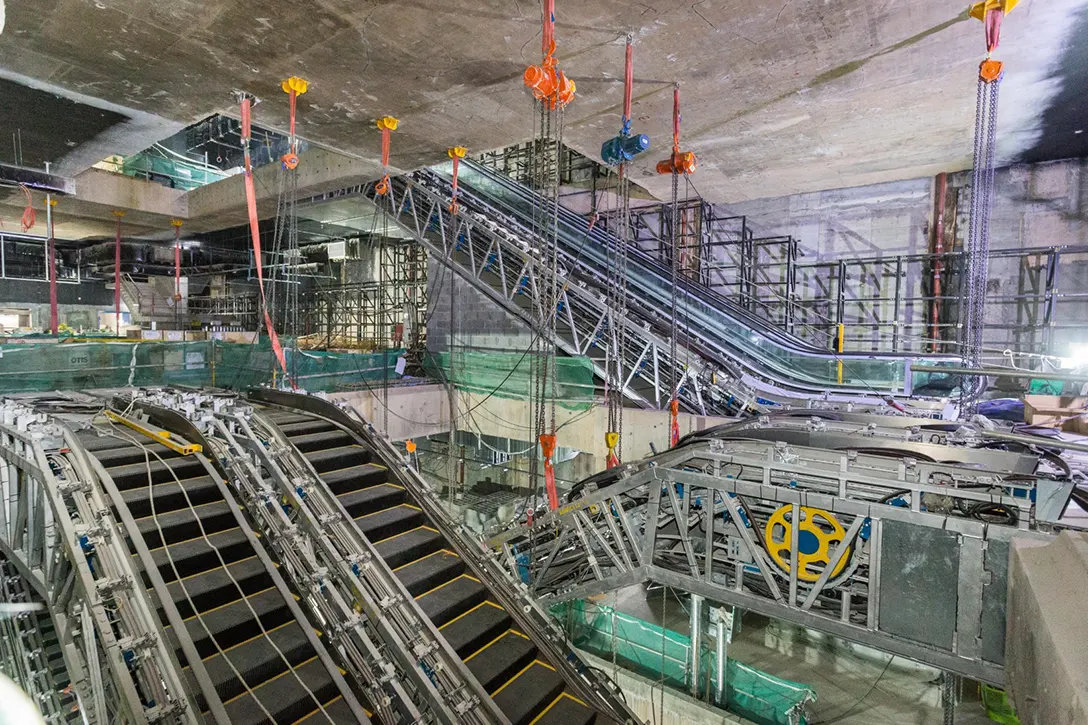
818,532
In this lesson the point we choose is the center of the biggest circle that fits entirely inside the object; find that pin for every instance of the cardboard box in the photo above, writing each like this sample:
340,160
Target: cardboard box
1057,410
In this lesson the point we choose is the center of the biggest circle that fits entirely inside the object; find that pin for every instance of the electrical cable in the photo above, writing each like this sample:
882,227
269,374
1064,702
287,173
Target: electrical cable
860,700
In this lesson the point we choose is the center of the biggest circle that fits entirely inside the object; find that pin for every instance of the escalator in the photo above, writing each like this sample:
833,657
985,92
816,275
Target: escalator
524,681
261,657
779,365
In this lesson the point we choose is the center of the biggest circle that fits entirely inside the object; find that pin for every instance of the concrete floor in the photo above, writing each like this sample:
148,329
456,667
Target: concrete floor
841,673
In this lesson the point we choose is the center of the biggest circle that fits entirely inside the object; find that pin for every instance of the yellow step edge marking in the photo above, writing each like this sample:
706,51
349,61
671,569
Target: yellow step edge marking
316,710
389,508
216,568
445,584
428,528
481,604
248,596
519,674
572,697
523,636
427,556
296,668
545,664
552,704
376,466
184,508
487,645
245,641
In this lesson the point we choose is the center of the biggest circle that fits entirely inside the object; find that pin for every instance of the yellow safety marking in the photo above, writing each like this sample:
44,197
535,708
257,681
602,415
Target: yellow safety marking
389,508
481,604
446,584
554,703
403,533
316,710
487,645
427,556
227,604
523,636
246,641
519,674
377,466
297,667
165,513
159,436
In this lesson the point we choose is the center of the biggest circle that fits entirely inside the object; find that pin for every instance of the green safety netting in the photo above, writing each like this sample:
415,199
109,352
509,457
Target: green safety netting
661,654
83,366
510,375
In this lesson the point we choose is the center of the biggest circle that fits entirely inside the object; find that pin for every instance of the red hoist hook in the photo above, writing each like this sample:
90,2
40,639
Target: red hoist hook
547,447
992,13
293,87
387,124
456,153
548,84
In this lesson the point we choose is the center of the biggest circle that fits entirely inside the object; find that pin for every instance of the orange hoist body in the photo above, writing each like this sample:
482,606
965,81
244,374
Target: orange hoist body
681,162
549,84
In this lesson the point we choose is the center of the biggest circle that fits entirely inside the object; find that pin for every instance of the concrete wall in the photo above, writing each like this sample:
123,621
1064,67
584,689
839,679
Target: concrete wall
78,305
479,322
1036,205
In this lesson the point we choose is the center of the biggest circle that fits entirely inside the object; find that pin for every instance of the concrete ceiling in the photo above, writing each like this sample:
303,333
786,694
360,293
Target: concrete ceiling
780,96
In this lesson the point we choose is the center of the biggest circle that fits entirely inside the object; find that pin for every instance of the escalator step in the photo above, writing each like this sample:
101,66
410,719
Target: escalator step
427,573
168,497
234,622
526,696
389,522
452,599
182,525
411,545
136,474
95,443
332,459
338,711
196,555
127,455
500,660
257,660
369,500
214,588
286,417
305,427
284,697
475,628
322,440
566,710
355,477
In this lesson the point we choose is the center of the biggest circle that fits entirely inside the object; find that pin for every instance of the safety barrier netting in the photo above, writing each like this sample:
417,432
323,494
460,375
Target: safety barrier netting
663,655
85,366
509,375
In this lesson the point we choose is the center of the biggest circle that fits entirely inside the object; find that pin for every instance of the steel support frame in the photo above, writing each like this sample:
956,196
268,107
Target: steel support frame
739,485
46,482
345,567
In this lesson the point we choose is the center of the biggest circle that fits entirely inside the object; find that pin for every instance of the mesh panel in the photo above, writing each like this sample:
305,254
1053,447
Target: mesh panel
661,654
84,366
507,375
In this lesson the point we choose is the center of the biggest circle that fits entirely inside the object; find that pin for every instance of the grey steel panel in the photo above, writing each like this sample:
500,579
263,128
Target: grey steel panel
994,596
919,569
